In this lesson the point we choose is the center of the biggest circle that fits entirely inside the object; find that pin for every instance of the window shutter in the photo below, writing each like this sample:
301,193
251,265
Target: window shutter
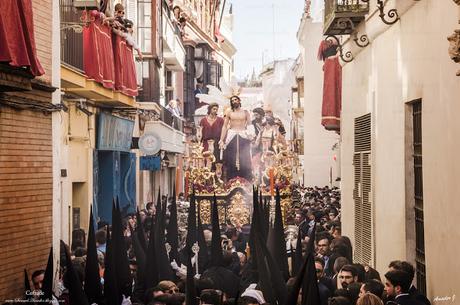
363,191
358,207
131,10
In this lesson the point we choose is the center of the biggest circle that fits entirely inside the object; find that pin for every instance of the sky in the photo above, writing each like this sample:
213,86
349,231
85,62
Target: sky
253,34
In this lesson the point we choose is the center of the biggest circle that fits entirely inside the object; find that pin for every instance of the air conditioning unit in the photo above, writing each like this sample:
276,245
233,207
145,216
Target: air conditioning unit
86,4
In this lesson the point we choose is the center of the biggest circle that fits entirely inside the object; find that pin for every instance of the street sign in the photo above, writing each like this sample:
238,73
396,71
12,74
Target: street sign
150,143
149,163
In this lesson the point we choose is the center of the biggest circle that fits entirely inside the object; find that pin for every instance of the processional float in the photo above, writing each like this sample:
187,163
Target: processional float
205,177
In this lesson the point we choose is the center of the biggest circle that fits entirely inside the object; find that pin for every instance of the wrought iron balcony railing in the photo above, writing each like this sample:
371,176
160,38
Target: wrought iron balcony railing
171,120
91,47
71,35
342,16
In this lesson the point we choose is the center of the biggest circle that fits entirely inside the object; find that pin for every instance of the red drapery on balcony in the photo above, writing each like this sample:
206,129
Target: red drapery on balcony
98,54
125,71
107,58
17,41
332,86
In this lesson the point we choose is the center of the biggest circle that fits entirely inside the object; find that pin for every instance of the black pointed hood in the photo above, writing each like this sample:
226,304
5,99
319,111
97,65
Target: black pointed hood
139,283
72,281
111,292
254,219
310,294
306,278
165,271
172,236
140,231
190,290
279,252
93,286
255,223
297,256
191,225
270,276
217,257
151,270
311,240
295,290
264,212
263,271
158,207
47,287
26,285
123,272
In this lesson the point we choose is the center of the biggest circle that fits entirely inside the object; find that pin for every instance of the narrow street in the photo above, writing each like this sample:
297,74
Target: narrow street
229,152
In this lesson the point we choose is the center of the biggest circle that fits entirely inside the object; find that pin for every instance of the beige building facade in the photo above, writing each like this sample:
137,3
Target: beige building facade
399,141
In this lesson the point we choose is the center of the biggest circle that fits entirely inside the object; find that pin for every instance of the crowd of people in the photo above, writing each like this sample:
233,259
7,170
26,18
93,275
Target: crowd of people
228,263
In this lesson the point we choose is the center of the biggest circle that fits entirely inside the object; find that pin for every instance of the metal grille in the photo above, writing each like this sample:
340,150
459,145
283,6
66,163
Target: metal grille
71,39
418,195
342,16
362,191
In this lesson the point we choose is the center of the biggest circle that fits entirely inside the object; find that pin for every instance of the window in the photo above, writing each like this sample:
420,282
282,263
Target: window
169,88
418,196
131,12
144,25
142,71
362,191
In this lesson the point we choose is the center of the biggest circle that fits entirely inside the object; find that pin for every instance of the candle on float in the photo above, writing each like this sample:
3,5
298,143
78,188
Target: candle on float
177,181
272,182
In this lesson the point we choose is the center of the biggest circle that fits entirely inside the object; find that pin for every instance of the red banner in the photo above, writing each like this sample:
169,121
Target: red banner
17,41
108,59
125,71
98,54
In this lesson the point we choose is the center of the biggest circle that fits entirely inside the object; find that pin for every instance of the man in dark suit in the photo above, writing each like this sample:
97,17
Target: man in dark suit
397,284
325,291
409,269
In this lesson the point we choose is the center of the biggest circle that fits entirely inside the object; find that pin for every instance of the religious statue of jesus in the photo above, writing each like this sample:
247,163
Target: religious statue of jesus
235,141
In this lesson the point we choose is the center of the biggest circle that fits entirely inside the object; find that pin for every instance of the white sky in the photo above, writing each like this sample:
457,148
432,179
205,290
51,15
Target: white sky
253,32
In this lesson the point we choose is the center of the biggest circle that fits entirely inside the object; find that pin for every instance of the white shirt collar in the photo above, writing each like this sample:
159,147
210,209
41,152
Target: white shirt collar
400,295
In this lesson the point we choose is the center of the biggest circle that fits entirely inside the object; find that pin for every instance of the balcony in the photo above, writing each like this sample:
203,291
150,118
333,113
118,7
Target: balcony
172,140
95,63
187,9
171,120
19,63
173,49
342,16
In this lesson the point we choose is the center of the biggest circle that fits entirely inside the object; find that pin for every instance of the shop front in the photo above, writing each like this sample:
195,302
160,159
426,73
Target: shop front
114,167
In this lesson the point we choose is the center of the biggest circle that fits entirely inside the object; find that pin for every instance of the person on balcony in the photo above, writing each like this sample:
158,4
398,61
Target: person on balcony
117,21
130,37
173,107
123,27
